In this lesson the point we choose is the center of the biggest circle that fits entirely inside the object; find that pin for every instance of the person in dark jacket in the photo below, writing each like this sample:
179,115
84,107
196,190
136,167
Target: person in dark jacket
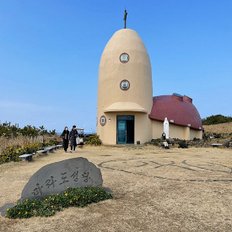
65,137
72,137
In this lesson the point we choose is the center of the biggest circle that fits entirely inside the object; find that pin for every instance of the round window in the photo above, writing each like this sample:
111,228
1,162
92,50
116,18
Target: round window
124,85
124,58
103,120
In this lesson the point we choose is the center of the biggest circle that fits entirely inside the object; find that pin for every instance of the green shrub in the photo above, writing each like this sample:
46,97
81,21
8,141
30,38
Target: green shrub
48,206
216,119
156,142
93,140
12,153
8,130
32,147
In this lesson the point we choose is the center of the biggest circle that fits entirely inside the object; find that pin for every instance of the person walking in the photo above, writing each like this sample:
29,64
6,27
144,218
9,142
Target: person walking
65,137
73,138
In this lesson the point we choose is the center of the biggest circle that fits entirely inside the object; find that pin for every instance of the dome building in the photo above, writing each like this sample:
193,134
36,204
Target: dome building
127,113
184,119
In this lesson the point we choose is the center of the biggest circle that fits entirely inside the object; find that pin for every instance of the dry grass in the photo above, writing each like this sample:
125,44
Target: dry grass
154,190
20,140
23,140
219,128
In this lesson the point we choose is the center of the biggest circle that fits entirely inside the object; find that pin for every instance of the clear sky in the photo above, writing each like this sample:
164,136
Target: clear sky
50,52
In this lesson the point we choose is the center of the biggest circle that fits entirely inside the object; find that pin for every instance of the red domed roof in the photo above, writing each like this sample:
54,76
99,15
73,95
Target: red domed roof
178,109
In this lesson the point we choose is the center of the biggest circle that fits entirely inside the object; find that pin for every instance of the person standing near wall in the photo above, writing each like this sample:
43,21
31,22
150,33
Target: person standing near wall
65,137
72,137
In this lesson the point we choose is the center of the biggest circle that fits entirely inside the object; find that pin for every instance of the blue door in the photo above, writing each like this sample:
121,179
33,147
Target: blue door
125,129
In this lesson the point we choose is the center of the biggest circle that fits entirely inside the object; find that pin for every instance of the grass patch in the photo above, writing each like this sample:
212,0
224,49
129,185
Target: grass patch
48,206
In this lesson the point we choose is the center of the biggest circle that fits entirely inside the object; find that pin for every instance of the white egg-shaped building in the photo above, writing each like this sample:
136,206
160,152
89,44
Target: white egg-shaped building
127,112
124,90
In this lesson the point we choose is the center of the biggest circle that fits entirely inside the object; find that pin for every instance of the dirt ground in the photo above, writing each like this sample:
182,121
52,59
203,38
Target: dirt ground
154,190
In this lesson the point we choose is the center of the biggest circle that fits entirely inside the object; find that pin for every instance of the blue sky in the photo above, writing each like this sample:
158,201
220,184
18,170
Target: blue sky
50,52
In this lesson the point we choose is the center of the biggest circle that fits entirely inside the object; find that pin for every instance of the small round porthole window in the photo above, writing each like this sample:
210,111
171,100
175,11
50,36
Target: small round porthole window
124,57
124,85
103,120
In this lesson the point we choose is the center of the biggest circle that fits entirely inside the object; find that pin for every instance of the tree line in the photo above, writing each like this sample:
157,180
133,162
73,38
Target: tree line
13,130
216,119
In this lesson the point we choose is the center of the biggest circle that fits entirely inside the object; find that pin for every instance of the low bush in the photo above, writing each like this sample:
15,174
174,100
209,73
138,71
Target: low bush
93,140
12,153
48,206
156,142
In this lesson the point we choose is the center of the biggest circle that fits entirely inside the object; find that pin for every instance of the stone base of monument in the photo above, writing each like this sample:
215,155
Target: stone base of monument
57,177
5,207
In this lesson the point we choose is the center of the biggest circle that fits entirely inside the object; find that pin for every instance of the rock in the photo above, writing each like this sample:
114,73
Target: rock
57,177
183,144
5,207
228,144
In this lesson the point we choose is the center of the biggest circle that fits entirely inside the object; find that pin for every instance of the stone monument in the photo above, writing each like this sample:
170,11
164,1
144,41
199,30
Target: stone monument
57,177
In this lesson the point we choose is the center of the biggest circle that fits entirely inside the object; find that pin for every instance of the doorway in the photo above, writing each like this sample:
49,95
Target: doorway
125,129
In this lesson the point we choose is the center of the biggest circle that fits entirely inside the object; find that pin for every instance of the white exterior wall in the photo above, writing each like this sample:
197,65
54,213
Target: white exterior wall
138,98
142,130
175,131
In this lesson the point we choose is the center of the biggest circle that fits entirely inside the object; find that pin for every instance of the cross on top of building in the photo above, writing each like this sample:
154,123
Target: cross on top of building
125,17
